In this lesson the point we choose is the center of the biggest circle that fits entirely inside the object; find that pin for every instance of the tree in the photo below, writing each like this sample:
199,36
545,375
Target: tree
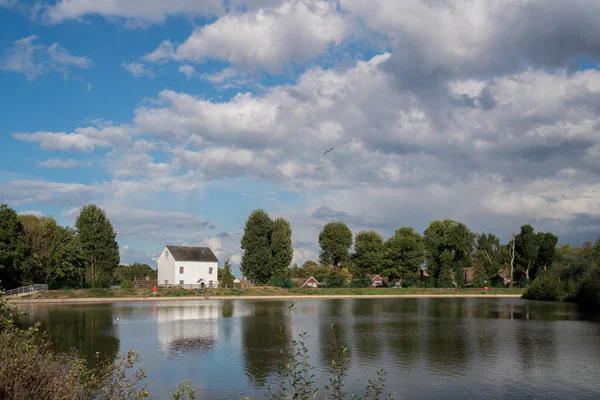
368,253
335,241
488,258
97,241
446,277
135,272
12,247
257,260
546,252
281,246
404,254
526,249
451,236
227,277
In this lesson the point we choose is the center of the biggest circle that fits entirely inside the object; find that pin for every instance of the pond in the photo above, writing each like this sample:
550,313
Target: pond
430,348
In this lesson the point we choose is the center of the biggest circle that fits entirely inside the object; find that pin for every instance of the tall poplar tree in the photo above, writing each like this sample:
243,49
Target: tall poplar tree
281,246
12,247
98,245
335,241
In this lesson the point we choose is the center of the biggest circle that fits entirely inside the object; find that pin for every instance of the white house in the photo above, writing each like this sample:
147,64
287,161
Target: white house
182,265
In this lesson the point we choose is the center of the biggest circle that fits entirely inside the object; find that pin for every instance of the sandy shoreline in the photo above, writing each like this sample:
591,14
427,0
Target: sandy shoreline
286,297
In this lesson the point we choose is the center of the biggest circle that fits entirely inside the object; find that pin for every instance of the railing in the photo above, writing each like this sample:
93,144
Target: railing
204,286
26,289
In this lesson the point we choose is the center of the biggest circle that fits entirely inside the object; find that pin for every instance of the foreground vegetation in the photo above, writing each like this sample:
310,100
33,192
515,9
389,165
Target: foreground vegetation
267,291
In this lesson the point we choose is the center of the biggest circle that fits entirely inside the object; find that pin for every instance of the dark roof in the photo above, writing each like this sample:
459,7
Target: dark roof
185,253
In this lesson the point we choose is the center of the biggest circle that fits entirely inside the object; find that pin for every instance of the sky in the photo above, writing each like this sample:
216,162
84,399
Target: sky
179,118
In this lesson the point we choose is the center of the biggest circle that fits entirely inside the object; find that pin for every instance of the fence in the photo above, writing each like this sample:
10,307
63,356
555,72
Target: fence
26,289
203,286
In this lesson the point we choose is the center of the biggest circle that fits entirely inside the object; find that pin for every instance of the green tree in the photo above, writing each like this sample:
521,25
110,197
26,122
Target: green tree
335,241
404,254
489,257
257,260
135,272
526,249
227,276
446,277
453,237
368,253
281,246
12,247
546,252
97,241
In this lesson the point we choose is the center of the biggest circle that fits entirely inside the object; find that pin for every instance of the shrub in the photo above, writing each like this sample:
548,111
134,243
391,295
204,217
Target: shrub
588,289
126,284
547,286
360,283
335,281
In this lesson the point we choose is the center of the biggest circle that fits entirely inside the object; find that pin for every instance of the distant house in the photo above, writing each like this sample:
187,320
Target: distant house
377,281
424,275
183,265
307,282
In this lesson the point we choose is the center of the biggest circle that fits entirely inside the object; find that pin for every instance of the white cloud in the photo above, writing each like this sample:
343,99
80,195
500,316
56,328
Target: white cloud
269,38
187,70
32,59
58,163
134,11
137,69
83,139
227,78
32,212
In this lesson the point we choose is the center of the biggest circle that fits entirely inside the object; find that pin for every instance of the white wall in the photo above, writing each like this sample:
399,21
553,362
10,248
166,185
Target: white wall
166,268
194,271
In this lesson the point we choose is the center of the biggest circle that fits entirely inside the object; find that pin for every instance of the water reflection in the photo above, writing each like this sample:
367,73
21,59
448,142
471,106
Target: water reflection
446,348
264,330
188,328
89,330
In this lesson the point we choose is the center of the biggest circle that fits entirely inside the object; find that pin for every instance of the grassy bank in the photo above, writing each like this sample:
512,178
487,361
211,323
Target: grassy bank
266,291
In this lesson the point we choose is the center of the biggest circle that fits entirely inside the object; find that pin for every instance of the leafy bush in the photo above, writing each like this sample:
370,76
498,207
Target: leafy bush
335,280
588,289
547,286
126,284
360,283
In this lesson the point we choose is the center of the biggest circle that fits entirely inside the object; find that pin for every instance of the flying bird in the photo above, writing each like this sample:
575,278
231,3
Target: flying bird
328,151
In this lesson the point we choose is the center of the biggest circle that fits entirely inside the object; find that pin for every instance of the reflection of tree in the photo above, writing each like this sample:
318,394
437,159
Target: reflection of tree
405,338
446,339
227,309
264,331
536,344
367,328
330,312
86,329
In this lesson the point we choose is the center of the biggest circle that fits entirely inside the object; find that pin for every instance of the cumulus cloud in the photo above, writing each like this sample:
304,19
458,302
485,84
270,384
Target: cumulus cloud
27,57
83,139
464,116
187,70
268,38
137,69
58,163
133,11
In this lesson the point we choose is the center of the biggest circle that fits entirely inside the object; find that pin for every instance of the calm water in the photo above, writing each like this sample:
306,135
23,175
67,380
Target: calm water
431,348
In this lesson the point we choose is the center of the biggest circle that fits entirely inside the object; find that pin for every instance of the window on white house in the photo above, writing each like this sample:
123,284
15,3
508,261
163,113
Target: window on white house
209,284
181,270
181,282
210,270
166,254
166,281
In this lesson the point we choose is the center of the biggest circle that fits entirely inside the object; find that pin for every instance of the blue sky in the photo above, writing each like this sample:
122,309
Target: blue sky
180,118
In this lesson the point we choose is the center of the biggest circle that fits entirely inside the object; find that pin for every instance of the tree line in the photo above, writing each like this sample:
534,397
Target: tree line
38,250
444,250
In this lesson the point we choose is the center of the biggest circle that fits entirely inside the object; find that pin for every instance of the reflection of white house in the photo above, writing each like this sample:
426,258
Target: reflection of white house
182,265
188,327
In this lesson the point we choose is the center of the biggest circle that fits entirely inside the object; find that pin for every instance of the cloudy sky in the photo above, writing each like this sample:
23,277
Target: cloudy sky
181,117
